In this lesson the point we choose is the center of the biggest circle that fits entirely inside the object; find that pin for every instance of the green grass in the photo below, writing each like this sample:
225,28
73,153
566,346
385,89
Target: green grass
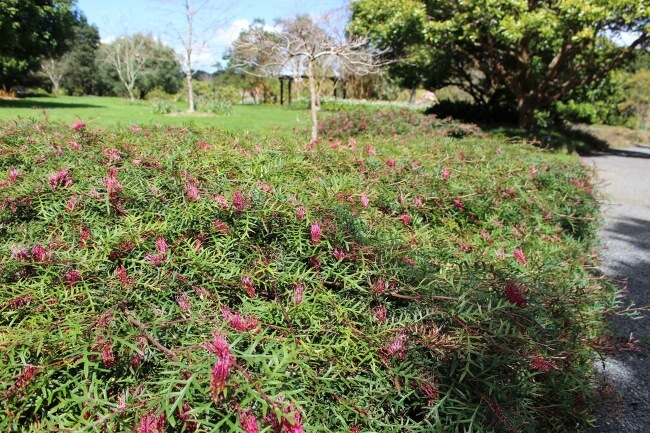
109,112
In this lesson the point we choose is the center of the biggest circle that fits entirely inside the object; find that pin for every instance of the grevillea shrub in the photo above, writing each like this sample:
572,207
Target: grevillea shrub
392,123
162,279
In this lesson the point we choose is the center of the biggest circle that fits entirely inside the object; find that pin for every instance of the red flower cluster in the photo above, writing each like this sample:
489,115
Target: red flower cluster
515,293
152,424
316,233
27,375
239,323
61,178
113,186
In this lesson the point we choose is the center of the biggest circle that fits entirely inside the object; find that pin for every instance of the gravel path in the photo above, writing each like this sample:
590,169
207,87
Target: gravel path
625,176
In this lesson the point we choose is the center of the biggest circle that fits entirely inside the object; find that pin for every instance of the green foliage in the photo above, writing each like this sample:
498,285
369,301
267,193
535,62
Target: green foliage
193,277
161,106
80,75
533,54
30,29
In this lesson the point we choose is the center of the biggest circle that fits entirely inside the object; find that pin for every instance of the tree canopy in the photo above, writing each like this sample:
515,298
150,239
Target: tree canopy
531,52
29,30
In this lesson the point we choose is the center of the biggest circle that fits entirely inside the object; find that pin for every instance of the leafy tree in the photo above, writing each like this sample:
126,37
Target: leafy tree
140,63
532,53
30,29
80,75
162,70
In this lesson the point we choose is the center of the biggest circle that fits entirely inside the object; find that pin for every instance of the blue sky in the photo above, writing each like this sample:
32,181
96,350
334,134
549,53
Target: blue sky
157,17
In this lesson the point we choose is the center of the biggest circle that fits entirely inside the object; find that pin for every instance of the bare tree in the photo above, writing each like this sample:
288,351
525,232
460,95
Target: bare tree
200,25
127,55
54,69
304,48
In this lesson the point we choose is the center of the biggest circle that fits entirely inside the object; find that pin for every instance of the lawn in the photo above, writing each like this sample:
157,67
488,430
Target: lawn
405,274
110,111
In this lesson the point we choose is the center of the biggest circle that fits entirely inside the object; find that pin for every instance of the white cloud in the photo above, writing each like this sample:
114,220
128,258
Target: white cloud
108,39
227,36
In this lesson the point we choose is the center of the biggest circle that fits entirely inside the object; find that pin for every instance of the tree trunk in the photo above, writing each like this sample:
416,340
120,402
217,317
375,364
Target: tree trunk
314,101
412,95
526,109
190,91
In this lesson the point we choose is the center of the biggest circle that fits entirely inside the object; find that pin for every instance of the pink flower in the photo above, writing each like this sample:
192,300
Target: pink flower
59,151
417,202
219,377
19,253
371,150
112,154
72,277
239,323
71,205
293,422
519,255
430,389
379,287
192,192
238,201
85,234
222,202
397,346
445,173
25,377
121,274
365,201
380,313
39,253
13,174
113,186
316,233
338,254
183,302
248,421
459,204
135,128
161,245
185,416
78,125
406,218
248,286
515,294
335,144
61,178
220,226
75,146
298,291
532,171
218,346
155,259
390,163
300,213
107,355
152,424
94,194
464,246
540,364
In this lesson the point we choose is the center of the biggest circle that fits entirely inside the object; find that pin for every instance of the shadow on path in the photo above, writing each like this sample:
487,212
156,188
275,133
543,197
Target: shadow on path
625,390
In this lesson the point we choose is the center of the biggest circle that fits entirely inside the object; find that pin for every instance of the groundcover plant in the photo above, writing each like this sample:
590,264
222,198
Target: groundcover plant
175,279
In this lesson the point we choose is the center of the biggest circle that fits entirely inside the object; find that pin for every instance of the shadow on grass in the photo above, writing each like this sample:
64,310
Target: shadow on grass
557,139
43,103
